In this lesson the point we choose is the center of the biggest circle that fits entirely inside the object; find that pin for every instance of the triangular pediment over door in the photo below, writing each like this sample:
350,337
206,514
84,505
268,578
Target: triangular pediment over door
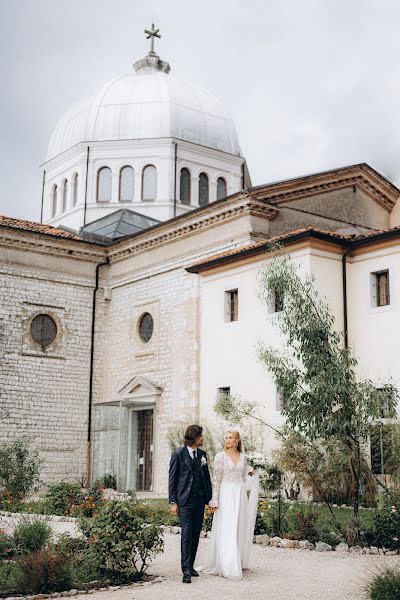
140,391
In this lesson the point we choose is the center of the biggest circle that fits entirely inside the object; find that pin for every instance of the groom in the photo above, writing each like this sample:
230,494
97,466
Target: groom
189,492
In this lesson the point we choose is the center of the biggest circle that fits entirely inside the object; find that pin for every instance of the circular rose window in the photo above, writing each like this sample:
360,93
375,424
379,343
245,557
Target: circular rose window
43,330
146,326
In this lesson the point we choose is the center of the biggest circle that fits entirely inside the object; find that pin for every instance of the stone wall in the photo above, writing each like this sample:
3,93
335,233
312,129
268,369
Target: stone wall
44,394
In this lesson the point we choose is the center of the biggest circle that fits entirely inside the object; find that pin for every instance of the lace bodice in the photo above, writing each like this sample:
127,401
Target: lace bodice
226,470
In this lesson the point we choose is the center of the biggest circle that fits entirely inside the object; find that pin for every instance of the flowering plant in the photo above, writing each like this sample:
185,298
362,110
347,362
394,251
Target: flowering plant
257,461
203,461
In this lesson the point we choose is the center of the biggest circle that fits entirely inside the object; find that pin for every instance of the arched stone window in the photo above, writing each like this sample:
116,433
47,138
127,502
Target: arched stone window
65,195
54,207
149,183
184,190
221,188
203,189
75,189
126,184
104,180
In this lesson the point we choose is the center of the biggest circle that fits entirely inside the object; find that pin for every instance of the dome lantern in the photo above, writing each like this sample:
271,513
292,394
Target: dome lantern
152,62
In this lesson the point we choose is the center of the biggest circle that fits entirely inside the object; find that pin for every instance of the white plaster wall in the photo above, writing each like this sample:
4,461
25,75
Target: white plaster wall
374,332
228,350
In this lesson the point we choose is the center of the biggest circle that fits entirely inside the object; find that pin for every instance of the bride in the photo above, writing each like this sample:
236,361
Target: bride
234,511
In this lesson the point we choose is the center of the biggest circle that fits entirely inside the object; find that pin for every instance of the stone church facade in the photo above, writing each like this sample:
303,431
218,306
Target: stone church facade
112,315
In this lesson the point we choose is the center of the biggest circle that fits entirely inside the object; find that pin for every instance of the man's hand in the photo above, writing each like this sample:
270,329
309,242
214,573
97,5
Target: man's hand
174,509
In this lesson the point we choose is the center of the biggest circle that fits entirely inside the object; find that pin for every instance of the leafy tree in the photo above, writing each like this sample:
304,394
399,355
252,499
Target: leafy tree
323,399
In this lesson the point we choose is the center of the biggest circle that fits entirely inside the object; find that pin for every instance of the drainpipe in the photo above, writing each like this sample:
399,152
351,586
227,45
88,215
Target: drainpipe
41,209
344,287
89,431
175,165
86,185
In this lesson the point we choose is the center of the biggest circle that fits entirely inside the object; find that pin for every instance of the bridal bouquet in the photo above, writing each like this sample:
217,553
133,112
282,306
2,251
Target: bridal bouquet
257,461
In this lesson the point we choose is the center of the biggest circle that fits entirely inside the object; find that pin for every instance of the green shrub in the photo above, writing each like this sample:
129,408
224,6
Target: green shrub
30,536
71,499
10,502
386,530
62,496
19,467
385,586
109,481
123,539
302,525
7,548
43,572
85,564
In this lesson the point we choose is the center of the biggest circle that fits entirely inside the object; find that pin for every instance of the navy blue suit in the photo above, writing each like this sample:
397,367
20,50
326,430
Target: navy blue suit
190,487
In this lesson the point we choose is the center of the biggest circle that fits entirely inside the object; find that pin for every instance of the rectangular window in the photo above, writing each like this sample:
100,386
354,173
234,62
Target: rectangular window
383,448
276,301
223,391
231,306
380,295
279,400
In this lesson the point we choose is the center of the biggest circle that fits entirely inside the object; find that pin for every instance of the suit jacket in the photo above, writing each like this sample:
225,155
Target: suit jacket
181,476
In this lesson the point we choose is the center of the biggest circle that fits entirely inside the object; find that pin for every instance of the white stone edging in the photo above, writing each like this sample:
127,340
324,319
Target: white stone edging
277,542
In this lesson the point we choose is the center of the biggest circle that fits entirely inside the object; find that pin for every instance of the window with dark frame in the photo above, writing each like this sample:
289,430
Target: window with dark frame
231,306
276,301
279,400
382,448
223,391
146,327
43,330
380,292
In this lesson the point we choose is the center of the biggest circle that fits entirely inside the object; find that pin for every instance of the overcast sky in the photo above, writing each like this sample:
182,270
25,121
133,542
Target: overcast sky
311,84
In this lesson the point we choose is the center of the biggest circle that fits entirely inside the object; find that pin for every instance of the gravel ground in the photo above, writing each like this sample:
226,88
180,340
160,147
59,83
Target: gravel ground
275,574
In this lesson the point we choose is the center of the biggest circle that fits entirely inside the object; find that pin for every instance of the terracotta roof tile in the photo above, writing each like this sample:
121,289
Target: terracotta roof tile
36,227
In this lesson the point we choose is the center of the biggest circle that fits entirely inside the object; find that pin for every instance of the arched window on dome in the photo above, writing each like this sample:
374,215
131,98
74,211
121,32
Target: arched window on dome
104,180
64,195
184,189
126,184
203,189
54,195
221,188
149,183
75,189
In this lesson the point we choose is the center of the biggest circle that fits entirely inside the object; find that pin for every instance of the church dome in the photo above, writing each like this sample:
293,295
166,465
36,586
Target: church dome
145,104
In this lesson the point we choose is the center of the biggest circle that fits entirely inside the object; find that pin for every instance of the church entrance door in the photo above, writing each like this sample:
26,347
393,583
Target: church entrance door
140,450
145,450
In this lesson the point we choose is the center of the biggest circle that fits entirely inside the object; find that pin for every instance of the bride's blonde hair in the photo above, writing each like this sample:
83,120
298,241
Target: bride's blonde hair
238,439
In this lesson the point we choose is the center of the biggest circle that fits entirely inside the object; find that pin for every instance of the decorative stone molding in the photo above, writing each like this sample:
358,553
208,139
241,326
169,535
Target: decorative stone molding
362,176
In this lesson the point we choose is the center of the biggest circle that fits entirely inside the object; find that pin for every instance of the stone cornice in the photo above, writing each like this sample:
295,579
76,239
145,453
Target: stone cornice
60,247
190,223
361,176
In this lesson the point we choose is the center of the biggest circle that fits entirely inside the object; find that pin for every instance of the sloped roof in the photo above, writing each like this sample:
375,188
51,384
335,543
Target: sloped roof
33,226
117,225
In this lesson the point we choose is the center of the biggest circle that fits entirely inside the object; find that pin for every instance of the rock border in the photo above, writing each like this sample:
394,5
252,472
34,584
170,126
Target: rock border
75,592
278,542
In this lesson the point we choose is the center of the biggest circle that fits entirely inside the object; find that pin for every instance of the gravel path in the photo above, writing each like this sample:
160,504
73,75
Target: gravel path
276,574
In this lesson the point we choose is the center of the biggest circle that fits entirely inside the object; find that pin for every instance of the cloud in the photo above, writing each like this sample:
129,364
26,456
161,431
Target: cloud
311,84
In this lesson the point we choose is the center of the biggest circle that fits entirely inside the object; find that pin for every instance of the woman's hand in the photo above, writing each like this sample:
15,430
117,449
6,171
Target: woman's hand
174,509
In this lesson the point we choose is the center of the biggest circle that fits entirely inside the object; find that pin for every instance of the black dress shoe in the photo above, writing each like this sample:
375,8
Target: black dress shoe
193,572
187,578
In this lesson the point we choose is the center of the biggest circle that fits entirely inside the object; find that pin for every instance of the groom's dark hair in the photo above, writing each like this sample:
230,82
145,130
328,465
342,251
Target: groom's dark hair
191,434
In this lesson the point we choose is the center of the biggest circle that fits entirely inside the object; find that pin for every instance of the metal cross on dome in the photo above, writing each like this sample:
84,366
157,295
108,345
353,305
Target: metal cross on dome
151,35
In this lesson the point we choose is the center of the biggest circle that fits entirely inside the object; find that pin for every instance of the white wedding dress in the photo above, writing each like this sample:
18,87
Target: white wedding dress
233,523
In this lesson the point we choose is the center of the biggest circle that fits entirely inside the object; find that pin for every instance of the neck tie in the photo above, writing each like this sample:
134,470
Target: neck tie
194,454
